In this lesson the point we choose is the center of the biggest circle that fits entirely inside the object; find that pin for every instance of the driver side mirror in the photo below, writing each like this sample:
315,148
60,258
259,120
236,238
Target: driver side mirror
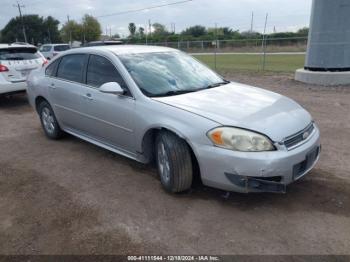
111,88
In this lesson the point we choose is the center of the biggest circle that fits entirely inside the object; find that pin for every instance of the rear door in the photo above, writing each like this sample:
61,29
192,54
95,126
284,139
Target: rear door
65,90
20,61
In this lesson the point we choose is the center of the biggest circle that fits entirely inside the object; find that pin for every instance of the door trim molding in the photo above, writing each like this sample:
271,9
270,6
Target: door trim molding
101,144
95,118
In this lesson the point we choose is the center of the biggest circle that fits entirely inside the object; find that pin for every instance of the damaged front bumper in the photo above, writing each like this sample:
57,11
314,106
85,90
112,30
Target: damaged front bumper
252,184
257,171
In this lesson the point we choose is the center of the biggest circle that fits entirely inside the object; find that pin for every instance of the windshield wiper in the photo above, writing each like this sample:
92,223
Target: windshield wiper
175,92
180,92
225,82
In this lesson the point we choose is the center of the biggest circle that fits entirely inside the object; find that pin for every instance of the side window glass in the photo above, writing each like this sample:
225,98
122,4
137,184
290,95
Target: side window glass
71,68
51,69
100,70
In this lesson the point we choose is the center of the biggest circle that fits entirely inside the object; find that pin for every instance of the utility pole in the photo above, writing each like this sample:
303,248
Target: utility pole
252,23
146,29
22,21
216,44
173,28
70,32
264,44
84,37
49,34
150,27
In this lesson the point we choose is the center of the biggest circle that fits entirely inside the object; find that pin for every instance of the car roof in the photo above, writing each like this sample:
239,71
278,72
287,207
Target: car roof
107,41
124,49
3,46
55,44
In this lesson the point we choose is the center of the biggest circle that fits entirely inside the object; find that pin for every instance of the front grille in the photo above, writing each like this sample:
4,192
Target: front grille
297,138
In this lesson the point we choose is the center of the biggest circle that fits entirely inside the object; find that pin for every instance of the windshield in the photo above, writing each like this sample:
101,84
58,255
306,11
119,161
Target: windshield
19,54
168,73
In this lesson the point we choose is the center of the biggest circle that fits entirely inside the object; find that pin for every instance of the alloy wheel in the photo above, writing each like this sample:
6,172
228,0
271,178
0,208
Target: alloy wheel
163,163
48,120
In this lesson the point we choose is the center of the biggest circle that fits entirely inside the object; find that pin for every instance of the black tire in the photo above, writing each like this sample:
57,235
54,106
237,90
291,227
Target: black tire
54,132
177,176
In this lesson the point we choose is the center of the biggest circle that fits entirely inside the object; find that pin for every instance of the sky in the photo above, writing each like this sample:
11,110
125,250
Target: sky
283,15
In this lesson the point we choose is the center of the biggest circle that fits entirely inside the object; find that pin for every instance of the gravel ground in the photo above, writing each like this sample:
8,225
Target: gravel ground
71,197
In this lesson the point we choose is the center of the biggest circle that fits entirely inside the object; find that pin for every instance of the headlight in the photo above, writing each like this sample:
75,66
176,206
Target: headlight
240,140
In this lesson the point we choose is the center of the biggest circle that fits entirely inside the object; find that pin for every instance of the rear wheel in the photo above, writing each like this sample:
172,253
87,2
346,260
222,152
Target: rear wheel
48,121
174,162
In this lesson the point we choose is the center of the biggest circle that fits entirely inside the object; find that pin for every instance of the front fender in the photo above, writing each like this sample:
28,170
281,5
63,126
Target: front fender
155,115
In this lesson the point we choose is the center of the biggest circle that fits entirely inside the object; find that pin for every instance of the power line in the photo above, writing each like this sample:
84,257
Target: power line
145,8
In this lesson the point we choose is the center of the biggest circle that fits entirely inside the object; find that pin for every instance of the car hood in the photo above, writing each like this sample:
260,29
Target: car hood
247,107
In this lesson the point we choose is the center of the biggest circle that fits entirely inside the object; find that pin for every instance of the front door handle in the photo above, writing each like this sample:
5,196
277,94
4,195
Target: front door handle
52,85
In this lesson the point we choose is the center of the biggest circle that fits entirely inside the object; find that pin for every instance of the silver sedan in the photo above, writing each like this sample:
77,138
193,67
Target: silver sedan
159,104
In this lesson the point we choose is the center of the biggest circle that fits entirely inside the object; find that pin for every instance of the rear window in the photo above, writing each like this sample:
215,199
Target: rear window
45,48
61,48
19,54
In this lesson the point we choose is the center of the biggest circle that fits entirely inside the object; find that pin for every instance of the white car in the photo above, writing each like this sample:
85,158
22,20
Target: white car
16,62
51,50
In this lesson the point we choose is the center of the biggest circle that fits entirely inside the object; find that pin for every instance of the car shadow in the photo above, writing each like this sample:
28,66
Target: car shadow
319,191
14,103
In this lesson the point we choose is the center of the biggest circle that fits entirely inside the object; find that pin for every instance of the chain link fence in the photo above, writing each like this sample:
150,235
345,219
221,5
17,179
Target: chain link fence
295,44
283,55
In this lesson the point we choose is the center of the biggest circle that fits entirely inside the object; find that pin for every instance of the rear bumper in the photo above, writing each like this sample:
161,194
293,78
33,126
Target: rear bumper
9,87
257,172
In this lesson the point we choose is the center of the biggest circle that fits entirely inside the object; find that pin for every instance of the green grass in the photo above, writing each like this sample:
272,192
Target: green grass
253,63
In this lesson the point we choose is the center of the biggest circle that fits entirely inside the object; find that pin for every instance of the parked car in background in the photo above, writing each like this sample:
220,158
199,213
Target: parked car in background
16,62
158,103
51,50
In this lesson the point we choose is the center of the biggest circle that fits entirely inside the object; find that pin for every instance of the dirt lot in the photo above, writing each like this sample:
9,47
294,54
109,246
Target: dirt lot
71,197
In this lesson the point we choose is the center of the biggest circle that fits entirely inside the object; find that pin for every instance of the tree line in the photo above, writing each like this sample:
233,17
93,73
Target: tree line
159,33
41,30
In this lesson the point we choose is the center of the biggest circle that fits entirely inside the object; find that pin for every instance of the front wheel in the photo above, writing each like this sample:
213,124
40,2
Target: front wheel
174,162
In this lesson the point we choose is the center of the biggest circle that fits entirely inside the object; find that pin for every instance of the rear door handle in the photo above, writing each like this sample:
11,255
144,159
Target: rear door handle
52,85
88,96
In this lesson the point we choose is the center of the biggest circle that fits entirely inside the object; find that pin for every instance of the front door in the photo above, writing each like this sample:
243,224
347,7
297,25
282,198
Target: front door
107,117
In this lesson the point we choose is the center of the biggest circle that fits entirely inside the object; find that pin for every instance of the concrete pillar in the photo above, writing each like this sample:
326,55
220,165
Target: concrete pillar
328,43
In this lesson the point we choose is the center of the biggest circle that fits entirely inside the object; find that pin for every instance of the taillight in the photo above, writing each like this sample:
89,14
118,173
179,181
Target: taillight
3,68
45,62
